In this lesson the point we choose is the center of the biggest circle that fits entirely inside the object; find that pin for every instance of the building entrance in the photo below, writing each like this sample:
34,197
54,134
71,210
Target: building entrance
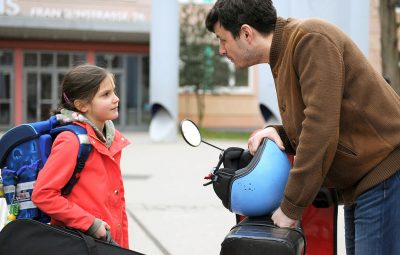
43,72
42,76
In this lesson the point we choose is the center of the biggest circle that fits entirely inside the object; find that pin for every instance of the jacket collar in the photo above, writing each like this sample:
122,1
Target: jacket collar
117,145
276,46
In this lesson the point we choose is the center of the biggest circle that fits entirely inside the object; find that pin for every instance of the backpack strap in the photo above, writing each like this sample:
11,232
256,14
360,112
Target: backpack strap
84,150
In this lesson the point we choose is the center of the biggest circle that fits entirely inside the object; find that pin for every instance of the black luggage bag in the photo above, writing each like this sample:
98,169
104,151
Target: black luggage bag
256,236
30,237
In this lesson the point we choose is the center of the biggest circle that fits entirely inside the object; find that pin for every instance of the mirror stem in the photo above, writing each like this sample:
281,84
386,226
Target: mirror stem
212,145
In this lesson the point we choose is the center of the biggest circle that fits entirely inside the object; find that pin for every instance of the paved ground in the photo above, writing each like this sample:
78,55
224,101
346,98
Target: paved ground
170,212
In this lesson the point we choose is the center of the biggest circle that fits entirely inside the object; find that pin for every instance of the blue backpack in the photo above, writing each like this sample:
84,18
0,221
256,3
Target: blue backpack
24,150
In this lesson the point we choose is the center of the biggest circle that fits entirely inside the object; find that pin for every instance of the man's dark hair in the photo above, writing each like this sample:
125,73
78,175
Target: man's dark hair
232,14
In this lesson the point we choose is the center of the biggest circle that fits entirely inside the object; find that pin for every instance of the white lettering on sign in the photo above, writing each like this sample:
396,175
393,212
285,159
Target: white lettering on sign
75,14
9,7
46,12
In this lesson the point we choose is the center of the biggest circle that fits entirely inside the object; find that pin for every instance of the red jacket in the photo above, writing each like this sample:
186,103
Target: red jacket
99,193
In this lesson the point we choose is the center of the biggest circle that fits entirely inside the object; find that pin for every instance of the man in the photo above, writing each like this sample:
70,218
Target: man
339,117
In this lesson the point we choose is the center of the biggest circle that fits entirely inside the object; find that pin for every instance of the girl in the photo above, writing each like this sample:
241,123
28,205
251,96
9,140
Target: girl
96,203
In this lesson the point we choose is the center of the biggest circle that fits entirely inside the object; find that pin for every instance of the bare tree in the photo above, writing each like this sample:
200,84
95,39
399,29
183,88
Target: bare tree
389,42
201,66
199,58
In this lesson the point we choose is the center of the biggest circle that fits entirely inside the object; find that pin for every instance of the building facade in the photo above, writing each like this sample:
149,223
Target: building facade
41,40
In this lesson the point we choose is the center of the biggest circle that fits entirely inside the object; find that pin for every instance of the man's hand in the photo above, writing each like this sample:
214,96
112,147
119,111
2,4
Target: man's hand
281,220
257,138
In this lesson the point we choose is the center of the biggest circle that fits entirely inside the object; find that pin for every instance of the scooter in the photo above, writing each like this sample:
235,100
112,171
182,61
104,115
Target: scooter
317,234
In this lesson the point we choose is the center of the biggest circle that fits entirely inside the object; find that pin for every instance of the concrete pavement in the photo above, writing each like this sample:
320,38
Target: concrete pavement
169,210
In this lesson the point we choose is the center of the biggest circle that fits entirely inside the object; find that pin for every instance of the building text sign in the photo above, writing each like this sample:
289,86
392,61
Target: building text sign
115,11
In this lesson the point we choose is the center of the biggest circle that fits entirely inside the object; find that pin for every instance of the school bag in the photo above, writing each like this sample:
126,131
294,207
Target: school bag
24,150
22,237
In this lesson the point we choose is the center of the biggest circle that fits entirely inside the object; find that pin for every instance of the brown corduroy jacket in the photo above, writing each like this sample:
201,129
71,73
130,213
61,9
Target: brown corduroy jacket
339,116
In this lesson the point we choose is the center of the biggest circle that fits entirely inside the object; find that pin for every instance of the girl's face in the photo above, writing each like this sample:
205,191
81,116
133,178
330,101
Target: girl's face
104,105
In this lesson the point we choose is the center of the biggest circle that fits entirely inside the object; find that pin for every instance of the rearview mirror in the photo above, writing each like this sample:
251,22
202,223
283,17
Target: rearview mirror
191,134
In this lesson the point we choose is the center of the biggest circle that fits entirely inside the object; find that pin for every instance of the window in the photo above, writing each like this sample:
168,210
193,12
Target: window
43,74
201,66
6,88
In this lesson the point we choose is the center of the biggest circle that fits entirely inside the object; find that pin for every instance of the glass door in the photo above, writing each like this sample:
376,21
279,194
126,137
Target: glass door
40,85
6,88
43,74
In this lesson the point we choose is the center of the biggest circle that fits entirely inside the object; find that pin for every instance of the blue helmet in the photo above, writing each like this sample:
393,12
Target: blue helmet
252,186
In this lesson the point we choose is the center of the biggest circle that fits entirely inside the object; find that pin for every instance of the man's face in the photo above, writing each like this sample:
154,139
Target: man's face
236,50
